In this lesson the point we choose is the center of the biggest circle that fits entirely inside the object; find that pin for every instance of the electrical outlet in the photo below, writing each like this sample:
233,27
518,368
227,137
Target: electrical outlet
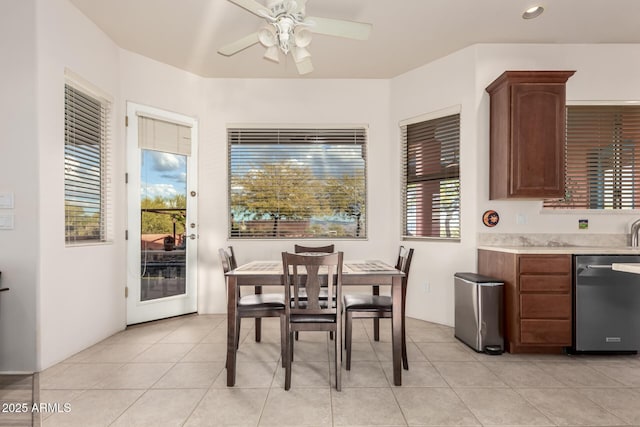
427,286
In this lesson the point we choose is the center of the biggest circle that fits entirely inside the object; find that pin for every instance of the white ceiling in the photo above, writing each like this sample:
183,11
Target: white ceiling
406,33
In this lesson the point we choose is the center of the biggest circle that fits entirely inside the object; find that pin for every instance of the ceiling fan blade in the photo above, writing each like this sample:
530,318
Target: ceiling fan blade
339,28
252,6
305,66
238,45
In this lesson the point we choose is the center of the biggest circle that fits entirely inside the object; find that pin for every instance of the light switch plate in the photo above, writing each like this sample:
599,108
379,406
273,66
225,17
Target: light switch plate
6,200
6,221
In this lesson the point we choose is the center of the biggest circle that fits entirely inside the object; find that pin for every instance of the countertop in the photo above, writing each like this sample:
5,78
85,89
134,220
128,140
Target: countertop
565,250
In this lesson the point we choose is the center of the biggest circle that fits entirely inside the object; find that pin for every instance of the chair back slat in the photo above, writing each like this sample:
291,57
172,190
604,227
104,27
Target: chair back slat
312,285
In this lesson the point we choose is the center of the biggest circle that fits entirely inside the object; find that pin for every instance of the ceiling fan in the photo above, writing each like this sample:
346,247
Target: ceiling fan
288,29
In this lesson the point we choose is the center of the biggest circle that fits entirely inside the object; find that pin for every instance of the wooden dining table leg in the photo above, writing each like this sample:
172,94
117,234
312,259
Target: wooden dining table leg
232,305
396,335
258,320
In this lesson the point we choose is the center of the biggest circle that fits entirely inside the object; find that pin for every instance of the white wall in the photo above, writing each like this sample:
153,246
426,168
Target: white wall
604,72
81,297
444,83
19,247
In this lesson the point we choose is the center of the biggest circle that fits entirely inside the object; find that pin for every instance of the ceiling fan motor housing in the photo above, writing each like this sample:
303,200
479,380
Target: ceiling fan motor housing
284,25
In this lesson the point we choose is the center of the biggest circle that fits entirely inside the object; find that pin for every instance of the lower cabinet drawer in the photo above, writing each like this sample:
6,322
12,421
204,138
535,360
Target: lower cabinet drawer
545,264
545,283
545,306
541,332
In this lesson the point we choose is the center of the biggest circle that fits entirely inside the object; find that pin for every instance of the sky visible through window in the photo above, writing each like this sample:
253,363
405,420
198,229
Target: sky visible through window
163,175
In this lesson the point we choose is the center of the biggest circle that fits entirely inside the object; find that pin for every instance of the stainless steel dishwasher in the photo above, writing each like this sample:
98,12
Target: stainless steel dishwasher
607,304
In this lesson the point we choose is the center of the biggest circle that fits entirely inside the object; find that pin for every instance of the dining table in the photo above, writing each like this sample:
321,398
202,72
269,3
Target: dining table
354,273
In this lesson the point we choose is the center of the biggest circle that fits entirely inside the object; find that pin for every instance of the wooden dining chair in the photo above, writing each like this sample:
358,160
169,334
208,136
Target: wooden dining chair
313,313
233,264
255,306
377,307
314,249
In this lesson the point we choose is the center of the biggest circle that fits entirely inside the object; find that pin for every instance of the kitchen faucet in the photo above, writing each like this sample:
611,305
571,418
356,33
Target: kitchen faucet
635,229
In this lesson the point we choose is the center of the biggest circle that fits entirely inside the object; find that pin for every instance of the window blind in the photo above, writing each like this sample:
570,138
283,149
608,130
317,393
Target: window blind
160,135
602,158
86,161
431,185
291,183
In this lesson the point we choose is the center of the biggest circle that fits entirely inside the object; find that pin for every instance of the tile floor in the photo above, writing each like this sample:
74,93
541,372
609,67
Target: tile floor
172,373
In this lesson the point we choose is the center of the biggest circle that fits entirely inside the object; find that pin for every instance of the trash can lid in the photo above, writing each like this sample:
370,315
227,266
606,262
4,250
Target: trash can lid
477,278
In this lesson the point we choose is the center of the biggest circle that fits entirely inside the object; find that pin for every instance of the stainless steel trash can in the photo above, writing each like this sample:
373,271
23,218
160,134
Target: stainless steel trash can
479,312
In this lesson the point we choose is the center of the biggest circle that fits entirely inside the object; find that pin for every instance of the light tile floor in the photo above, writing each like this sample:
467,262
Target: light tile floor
171,373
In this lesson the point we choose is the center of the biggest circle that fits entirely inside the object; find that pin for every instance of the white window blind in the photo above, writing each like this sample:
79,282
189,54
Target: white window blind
297,183
431,184
602,158
86,160
161,135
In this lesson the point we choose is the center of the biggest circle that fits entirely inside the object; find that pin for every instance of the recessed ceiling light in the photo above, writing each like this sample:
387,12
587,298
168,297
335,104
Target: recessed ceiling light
533,12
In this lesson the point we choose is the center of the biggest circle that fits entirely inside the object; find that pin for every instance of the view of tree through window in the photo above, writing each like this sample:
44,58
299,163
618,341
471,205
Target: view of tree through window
297,183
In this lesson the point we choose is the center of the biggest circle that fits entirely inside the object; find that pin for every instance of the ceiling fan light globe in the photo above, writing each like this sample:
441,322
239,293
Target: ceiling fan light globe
302,37
300,54
305,66
267,37
291,6
272,54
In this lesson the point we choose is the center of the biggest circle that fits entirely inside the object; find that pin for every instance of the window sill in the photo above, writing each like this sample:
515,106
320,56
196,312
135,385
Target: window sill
85,244
549,211
431,239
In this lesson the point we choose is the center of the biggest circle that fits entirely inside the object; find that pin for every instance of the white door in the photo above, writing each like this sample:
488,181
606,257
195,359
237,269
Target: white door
162,214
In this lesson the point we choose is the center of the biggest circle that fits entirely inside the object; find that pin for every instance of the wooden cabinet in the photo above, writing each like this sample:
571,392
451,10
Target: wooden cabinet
538,299
527,132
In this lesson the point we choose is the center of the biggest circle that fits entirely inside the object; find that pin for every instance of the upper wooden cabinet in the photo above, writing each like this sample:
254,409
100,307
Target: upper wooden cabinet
527,132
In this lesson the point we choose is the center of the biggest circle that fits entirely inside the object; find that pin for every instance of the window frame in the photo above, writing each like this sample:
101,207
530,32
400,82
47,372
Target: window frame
404,166
360,129
105,226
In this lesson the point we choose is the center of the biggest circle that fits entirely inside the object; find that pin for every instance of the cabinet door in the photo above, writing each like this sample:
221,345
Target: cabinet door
545,332
545,306
537,135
